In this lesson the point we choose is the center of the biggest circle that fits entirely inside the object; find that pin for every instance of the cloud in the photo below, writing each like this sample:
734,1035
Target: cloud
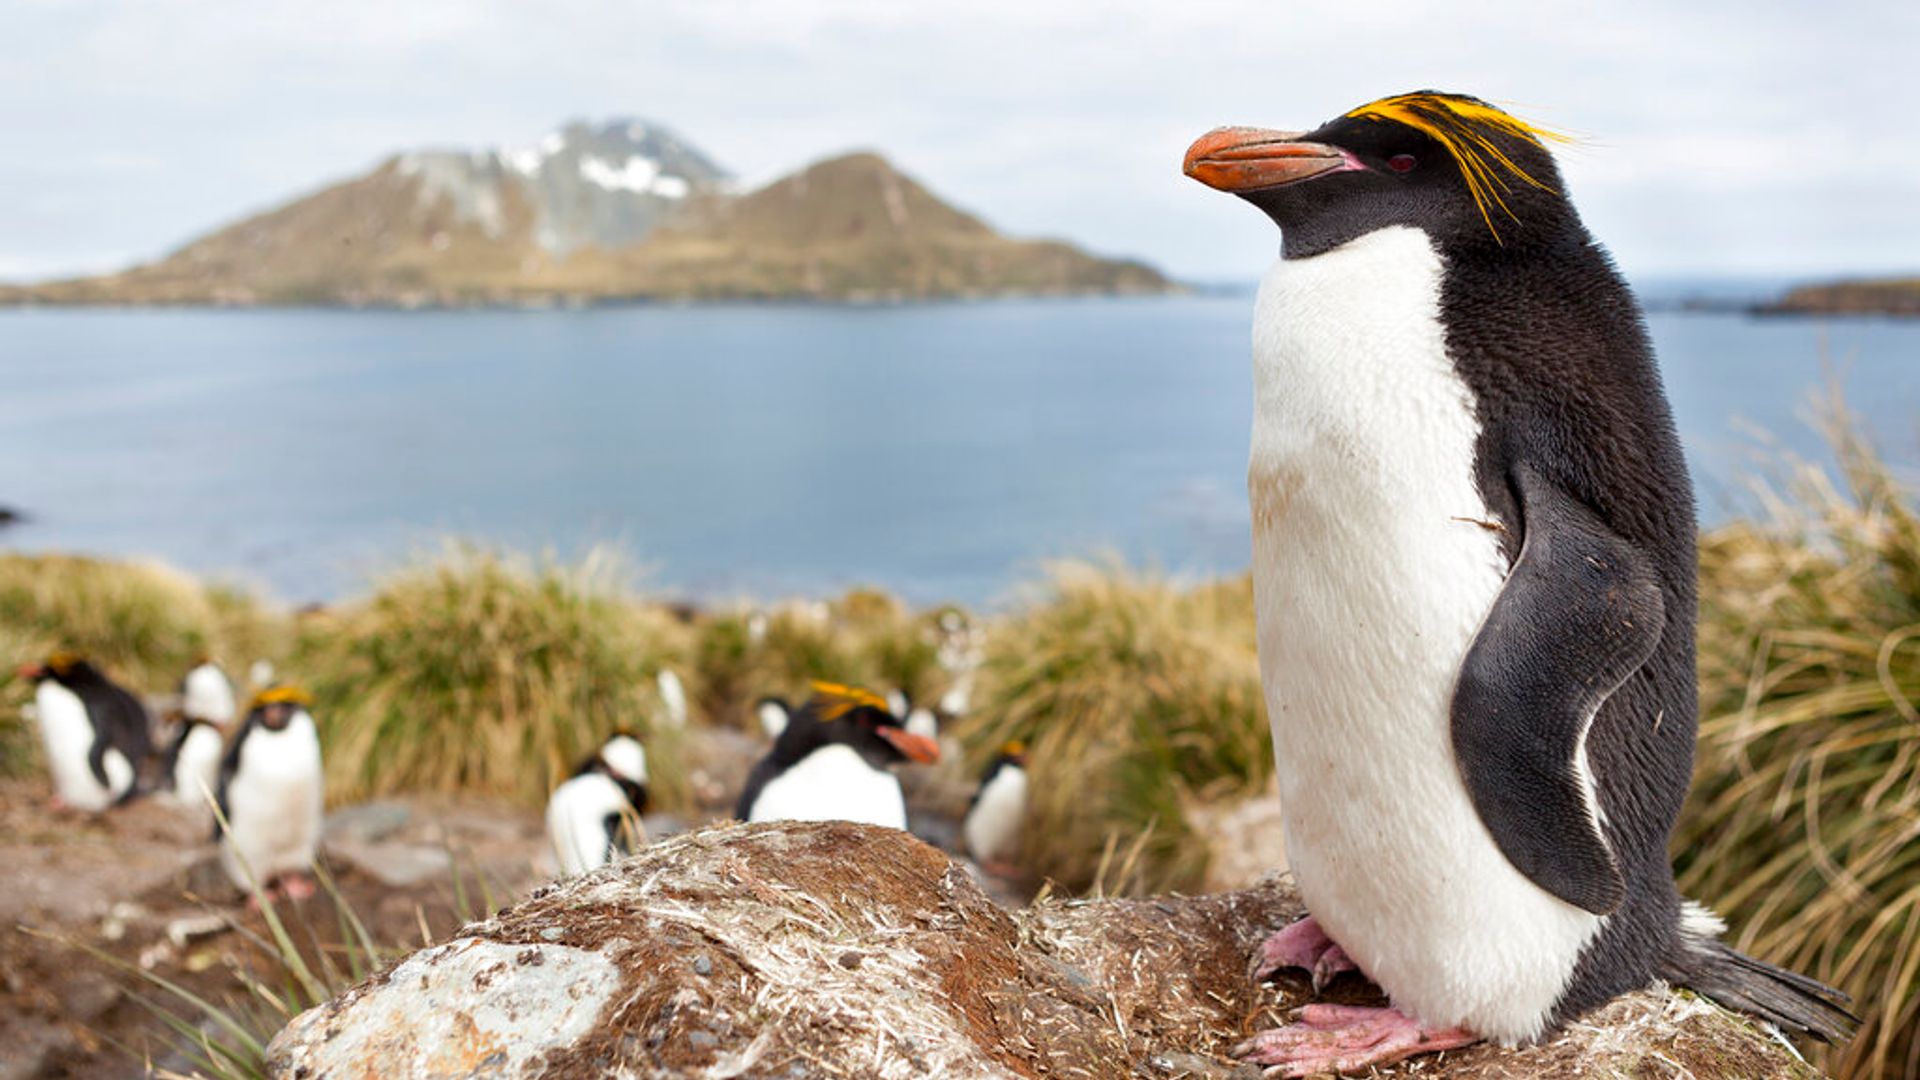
1722,136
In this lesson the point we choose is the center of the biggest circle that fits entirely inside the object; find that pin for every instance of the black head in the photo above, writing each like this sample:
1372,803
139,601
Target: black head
65,667
1462,171
859,719
275,707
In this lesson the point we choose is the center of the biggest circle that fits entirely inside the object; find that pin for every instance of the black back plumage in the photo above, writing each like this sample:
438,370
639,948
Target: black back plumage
120,721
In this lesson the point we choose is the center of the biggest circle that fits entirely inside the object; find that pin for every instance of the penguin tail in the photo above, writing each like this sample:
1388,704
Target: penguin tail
1788,1000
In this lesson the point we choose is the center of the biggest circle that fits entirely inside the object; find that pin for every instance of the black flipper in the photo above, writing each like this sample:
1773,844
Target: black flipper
1581,611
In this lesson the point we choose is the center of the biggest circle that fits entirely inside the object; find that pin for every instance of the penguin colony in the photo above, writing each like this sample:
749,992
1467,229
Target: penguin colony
1473,538
261,778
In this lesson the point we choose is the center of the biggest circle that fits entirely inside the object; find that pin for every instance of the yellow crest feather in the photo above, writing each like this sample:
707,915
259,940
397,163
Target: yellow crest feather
280,695
1466,129
836,700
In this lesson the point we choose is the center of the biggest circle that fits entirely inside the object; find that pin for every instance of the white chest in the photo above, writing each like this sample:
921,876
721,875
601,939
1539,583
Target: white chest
577,818
1374,566
992,827
67,733
274,803
196,772
834,783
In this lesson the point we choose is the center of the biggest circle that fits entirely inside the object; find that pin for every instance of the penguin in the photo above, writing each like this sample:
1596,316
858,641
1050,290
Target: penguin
594,816
774,714
832,762
271,796
207,708
917,719
998,811
1474,576
97,735
673,698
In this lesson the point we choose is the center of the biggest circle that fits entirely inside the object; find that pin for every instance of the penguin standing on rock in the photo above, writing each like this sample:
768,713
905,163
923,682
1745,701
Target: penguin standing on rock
271,796
593,817
207,710
96,734
1473,540
833,762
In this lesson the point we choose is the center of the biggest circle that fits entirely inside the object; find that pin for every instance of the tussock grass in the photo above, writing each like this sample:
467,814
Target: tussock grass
864,637
1138,698
1804,827
481,672
144,623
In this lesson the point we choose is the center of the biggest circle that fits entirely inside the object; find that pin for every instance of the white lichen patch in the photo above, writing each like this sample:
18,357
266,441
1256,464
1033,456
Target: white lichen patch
469,1007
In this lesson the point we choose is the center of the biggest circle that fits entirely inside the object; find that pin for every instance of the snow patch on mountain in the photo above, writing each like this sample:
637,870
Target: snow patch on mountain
607,185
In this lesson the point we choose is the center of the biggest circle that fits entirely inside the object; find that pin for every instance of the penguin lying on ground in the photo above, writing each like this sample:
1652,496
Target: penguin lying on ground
999,811
96,734
271,796
207,709
833,761
594,817
1474,579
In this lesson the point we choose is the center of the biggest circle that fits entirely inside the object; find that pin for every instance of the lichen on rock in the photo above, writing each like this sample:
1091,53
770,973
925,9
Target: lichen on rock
798,950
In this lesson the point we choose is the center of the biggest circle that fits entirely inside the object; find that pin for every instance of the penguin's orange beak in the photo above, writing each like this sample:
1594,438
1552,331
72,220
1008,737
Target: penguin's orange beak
1242,159
917,747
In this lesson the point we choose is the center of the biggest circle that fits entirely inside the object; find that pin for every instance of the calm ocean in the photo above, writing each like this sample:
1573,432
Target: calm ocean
944,451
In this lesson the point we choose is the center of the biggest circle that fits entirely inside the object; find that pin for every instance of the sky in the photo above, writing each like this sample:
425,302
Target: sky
1753,138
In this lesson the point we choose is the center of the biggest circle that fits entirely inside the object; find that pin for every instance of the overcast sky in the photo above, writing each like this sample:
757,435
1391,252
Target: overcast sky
1746,137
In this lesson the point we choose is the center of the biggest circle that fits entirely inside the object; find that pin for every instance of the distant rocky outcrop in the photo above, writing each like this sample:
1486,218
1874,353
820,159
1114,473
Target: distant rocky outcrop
625,210
831,950
10,516
1886,296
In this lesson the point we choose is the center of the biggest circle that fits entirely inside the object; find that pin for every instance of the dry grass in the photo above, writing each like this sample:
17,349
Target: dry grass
144,623
865,637
1138,697
1804,829
479,672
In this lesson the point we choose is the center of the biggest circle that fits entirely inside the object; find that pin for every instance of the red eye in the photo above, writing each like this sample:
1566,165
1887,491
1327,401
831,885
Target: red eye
1401,163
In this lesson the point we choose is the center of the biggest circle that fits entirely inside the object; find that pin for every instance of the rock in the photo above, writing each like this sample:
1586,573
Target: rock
396,865
848,950
1245,840
367,823
10,516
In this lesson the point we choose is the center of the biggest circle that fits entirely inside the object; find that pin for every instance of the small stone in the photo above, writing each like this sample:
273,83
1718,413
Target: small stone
702,1039
528,957
551,933
850,960
702,965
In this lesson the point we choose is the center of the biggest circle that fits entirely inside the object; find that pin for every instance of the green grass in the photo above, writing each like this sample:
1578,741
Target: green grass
1138,697
1804,825
487,673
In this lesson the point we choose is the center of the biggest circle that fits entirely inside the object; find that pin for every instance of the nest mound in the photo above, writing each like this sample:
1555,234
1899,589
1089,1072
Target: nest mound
795,951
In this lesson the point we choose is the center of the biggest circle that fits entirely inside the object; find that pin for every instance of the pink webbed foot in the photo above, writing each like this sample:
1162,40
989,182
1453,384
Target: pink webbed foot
1346,1039
298,887
1305,946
